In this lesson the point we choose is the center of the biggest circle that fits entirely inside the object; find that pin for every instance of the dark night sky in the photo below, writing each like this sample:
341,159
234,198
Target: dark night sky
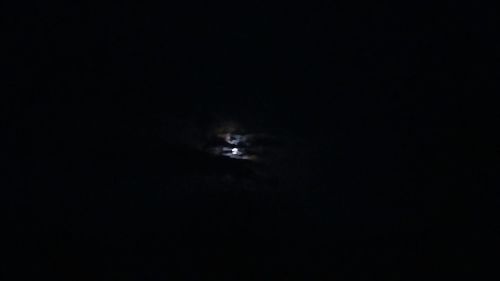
387,168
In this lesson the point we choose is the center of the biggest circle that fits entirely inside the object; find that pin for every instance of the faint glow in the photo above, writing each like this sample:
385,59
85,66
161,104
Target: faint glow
234,139
233,145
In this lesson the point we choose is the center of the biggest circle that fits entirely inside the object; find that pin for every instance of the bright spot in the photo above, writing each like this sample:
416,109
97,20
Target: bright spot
234,151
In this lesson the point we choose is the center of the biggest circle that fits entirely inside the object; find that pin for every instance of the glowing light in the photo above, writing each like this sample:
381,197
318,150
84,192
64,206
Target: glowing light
234,139
234,151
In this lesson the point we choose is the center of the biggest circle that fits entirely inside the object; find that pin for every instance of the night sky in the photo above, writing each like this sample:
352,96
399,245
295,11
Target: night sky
375,143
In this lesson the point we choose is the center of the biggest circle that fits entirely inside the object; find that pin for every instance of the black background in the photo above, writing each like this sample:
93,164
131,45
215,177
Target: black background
391,175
